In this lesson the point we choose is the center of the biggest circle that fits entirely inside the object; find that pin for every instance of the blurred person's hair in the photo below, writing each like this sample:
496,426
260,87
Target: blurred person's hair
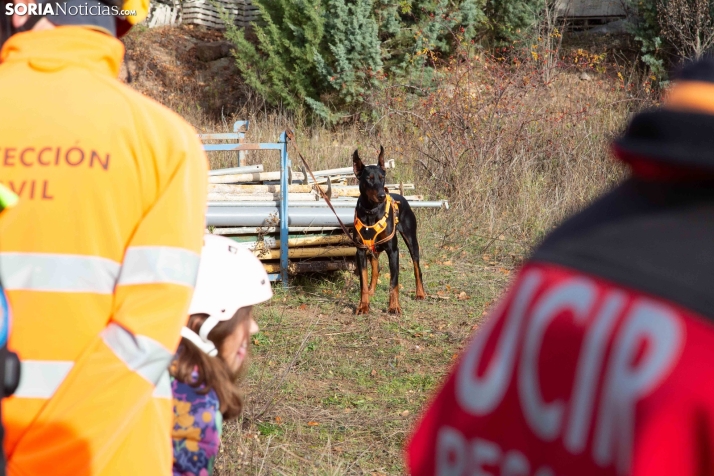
194,367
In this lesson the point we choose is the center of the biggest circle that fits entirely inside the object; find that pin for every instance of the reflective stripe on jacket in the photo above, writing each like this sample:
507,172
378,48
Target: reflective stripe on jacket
99,258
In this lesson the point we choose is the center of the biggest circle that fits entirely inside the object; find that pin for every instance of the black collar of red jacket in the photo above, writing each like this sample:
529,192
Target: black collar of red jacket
670,145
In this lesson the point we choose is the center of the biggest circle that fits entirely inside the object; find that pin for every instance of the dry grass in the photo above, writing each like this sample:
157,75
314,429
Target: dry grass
514,143
334,393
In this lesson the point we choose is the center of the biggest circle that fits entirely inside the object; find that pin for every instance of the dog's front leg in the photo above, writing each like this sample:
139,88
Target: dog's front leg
393,255
363,307
374,260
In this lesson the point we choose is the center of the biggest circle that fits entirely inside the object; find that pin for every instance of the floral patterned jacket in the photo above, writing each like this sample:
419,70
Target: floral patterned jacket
197,430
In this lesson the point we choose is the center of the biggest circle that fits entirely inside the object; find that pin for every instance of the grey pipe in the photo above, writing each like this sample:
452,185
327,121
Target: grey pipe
338,203
247,230
259,216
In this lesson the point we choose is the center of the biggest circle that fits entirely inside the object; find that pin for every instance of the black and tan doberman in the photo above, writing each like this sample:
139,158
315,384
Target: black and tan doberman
378,215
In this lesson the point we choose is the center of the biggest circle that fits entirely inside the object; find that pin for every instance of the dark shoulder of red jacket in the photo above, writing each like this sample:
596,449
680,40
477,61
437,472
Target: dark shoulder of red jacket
599,360
651,236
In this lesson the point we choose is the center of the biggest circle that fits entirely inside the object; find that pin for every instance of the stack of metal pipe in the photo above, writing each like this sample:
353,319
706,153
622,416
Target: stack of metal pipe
244,204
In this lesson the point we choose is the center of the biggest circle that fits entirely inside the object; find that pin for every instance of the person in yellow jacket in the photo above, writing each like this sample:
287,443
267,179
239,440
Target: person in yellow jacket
9,362
100,257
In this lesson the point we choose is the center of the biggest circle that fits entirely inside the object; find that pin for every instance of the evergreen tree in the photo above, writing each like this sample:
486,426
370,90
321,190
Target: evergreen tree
352,62
509,19
329,54
412,28
644,24
281,67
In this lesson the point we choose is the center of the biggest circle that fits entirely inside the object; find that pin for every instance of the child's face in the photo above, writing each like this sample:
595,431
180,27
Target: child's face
235,346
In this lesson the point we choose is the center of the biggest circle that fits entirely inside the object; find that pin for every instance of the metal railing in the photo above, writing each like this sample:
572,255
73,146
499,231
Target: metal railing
238,134
249,216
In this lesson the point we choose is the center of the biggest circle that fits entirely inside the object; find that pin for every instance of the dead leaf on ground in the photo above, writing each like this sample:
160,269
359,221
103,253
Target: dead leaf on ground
312,423
463,296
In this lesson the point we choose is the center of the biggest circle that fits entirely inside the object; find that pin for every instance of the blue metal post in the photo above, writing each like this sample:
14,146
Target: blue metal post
239,128
284,171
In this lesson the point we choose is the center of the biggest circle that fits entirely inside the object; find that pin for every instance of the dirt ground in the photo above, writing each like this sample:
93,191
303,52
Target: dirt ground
332,393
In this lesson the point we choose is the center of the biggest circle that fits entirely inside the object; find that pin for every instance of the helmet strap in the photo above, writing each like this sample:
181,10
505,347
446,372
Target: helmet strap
207,327
205,345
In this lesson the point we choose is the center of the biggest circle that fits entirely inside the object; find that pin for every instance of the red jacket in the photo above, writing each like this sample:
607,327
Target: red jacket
598,361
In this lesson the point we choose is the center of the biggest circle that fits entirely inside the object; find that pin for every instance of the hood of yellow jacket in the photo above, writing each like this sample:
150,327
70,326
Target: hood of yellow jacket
63,46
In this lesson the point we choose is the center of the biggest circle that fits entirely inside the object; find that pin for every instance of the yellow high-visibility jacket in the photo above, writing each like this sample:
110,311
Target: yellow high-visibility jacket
99,258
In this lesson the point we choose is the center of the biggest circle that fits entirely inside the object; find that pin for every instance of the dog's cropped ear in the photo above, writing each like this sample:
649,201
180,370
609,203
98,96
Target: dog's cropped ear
357,164
380,159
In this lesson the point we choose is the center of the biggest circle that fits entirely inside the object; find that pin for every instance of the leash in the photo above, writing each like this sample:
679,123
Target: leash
291,137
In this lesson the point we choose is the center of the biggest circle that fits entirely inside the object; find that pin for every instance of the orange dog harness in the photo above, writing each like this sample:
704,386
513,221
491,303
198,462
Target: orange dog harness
378,227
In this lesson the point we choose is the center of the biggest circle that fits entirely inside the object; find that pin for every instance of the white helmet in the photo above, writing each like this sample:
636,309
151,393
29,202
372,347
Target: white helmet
229,277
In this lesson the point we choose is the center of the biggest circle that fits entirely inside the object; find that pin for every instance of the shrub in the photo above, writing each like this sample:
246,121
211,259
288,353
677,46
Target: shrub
329,55
671,31
509,19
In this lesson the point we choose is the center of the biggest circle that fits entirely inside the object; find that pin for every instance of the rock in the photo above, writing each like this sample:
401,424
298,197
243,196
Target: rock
585,77
211,51
222,69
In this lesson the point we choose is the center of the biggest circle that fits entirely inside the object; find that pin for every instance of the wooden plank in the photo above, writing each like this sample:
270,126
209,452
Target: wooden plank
270,243
209,14
243,230
256,177
204,13
260,197
215,25
307,253
212,13
589,8
312,266
210,10
210,6
254,189
220,136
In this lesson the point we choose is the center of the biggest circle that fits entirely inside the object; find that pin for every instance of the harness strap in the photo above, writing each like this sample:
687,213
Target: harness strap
380,226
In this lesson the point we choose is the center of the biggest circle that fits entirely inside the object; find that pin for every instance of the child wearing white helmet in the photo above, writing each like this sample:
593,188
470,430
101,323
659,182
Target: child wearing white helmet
213,347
